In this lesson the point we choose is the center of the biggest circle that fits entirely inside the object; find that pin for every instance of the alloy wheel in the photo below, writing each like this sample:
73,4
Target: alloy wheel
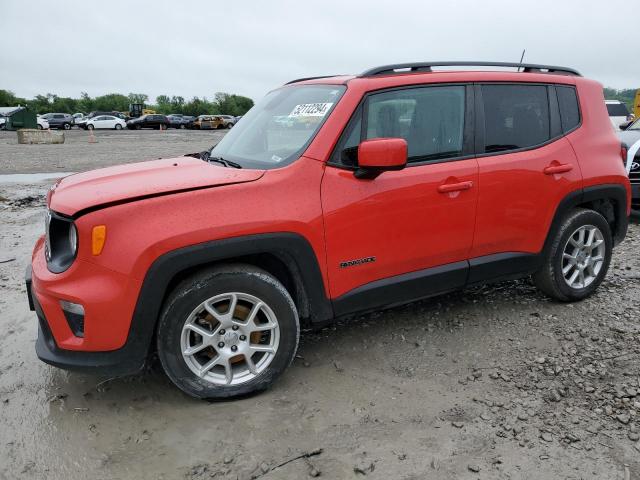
583,256
230,339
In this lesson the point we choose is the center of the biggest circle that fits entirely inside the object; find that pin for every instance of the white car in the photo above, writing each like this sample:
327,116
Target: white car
106,121
618,112
42,123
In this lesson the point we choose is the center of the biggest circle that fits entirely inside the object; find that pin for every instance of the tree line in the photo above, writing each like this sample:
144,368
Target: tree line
222,103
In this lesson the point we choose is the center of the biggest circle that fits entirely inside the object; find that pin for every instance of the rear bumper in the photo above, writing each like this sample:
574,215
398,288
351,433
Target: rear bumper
119,362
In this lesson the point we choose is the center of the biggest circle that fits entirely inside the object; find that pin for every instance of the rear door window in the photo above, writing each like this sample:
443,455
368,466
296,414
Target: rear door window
516,116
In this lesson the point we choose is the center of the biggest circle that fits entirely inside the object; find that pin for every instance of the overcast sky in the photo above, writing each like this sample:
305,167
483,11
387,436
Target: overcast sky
189,48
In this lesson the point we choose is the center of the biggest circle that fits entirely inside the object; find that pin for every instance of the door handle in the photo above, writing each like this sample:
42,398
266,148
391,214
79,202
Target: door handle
455,187
553,169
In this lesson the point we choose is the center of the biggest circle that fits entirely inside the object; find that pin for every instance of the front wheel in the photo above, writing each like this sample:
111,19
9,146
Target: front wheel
90,127
118,126
578,258
66,126
227,332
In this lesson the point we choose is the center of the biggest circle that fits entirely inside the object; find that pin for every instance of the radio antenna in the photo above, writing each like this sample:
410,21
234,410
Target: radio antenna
522,57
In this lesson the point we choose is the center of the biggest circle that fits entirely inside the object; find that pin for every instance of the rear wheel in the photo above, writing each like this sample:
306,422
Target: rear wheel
578,257
227,332
66,126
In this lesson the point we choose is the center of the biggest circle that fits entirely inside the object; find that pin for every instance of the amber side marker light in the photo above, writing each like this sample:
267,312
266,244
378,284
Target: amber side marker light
98,237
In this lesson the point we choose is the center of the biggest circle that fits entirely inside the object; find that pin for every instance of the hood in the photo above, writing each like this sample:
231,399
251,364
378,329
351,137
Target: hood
136,181
629,137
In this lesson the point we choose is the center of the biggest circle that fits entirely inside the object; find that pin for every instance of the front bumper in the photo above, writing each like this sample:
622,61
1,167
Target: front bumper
635,196
124,361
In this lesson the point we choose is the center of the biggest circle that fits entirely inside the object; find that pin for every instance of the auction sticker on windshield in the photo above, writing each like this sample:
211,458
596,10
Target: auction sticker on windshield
310,110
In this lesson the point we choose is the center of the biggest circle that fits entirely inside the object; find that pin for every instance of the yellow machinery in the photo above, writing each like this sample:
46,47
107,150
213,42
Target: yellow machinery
636,104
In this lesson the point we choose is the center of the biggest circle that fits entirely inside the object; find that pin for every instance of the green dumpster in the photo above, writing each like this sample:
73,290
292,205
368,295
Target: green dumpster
21,117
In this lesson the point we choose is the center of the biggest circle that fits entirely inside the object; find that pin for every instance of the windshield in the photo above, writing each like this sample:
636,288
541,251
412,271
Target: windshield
279,127
635,125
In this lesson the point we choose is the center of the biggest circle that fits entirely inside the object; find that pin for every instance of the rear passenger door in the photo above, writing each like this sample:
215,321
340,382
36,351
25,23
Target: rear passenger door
404,234
526,167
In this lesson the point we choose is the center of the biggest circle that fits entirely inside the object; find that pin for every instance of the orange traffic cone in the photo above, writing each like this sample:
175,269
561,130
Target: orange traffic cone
92,137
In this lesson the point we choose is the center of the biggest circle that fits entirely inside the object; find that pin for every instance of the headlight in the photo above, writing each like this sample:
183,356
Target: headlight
47,238
73,239
61,242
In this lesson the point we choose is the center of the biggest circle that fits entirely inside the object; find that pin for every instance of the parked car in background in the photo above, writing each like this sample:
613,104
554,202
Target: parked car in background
618,112
238,118
59,120
180,121
81,122
188,121
208,122
148,121
629,137
3,122
112,113
105,121
229,120
42,123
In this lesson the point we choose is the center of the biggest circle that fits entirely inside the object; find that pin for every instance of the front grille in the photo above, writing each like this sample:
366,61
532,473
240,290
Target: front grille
634,175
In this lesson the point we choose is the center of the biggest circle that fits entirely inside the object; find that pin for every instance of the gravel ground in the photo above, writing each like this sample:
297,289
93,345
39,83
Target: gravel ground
111,147
496,382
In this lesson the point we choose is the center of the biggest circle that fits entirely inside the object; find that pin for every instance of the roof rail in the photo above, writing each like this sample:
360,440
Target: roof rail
426,67
309,78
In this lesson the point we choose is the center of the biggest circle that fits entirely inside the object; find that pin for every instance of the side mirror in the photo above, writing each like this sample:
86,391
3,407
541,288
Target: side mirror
379,155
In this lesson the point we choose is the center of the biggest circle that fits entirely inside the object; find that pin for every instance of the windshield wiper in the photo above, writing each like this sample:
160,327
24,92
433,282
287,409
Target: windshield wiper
226,163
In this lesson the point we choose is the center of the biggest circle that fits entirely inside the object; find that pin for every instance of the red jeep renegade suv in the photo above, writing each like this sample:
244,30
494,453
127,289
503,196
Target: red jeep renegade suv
332,196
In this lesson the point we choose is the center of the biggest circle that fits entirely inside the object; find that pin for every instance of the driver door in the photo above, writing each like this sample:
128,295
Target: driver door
405,234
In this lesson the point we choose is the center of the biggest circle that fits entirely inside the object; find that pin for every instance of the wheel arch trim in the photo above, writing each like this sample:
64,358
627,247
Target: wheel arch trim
292,249
611,192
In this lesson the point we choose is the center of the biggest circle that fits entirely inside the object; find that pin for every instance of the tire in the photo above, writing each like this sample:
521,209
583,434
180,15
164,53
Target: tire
66,126
39,127
249,286
90,127
138,127
551,279
118,126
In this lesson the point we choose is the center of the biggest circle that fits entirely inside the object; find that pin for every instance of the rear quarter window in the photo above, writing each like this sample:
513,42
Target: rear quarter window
569,110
